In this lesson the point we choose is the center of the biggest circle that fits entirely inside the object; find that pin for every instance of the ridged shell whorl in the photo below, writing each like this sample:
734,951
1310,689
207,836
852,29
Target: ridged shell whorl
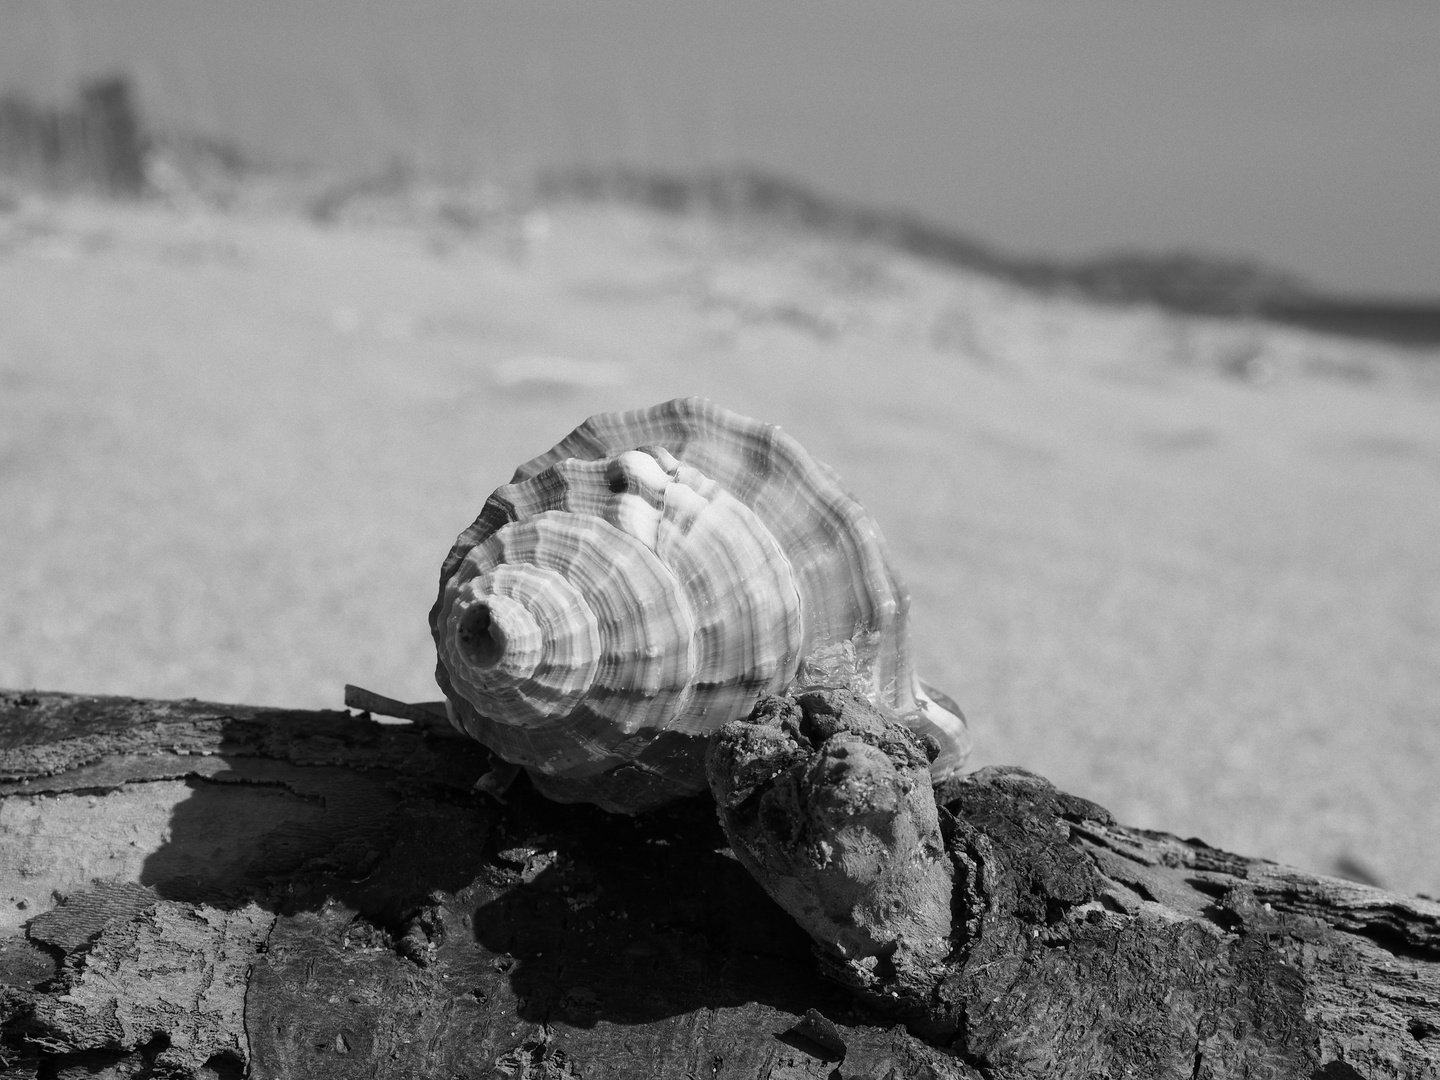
644,582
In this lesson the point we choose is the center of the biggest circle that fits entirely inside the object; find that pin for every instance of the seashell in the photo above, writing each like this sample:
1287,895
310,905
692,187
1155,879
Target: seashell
646,581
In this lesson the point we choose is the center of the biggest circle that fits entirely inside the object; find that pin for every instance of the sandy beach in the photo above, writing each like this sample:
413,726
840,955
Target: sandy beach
1184,567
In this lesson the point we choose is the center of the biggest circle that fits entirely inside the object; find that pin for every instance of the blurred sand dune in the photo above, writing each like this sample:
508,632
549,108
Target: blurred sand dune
1186,567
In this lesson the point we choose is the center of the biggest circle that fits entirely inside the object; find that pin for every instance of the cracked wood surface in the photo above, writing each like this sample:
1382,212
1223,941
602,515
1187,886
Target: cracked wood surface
210,890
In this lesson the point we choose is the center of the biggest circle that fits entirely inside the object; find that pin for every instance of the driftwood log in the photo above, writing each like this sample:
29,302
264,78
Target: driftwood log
190,889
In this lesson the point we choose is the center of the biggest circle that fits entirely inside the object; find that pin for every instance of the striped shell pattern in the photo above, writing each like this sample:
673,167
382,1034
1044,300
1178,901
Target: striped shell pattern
645,582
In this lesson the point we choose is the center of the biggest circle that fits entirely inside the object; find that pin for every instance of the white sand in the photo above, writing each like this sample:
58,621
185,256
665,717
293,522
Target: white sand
1188,568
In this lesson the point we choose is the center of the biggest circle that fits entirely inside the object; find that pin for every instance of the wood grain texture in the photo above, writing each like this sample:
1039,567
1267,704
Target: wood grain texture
1128,952
317,894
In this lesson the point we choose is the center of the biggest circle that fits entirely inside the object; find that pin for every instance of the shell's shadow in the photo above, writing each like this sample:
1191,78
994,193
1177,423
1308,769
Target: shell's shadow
345,811
632,920
372,834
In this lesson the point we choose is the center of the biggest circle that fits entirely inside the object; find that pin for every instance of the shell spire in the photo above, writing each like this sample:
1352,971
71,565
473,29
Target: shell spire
646,581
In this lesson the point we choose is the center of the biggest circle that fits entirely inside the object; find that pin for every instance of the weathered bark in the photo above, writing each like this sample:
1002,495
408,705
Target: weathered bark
188,888
1077,947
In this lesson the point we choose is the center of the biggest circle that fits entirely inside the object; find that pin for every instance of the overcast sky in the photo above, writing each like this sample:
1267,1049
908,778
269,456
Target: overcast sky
1306,133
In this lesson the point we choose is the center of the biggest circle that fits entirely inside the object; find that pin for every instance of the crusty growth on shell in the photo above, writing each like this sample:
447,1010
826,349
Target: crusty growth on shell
646,581
827,802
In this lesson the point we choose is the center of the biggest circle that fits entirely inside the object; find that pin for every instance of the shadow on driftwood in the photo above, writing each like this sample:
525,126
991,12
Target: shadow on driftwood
292,820
584,916
313,893
635,920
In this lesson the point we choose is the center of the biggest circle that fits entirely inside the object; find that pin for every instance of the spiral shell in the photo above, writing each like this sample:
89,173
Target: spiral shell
645,582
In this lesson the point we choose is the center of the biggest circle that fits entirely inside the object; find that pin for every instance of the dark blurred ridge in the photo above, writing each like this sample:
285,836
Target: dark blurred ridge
1180,281
97,144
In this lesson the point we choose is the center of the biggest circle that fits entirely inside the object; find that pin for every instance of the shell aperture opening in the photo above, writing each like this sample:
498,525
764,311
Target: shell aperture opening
482,638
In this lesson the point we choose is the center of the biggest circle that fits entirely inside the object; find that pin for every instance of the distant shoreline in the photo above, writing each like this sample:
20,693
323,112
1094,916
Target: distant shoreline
1399,323
1187,282
101,144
